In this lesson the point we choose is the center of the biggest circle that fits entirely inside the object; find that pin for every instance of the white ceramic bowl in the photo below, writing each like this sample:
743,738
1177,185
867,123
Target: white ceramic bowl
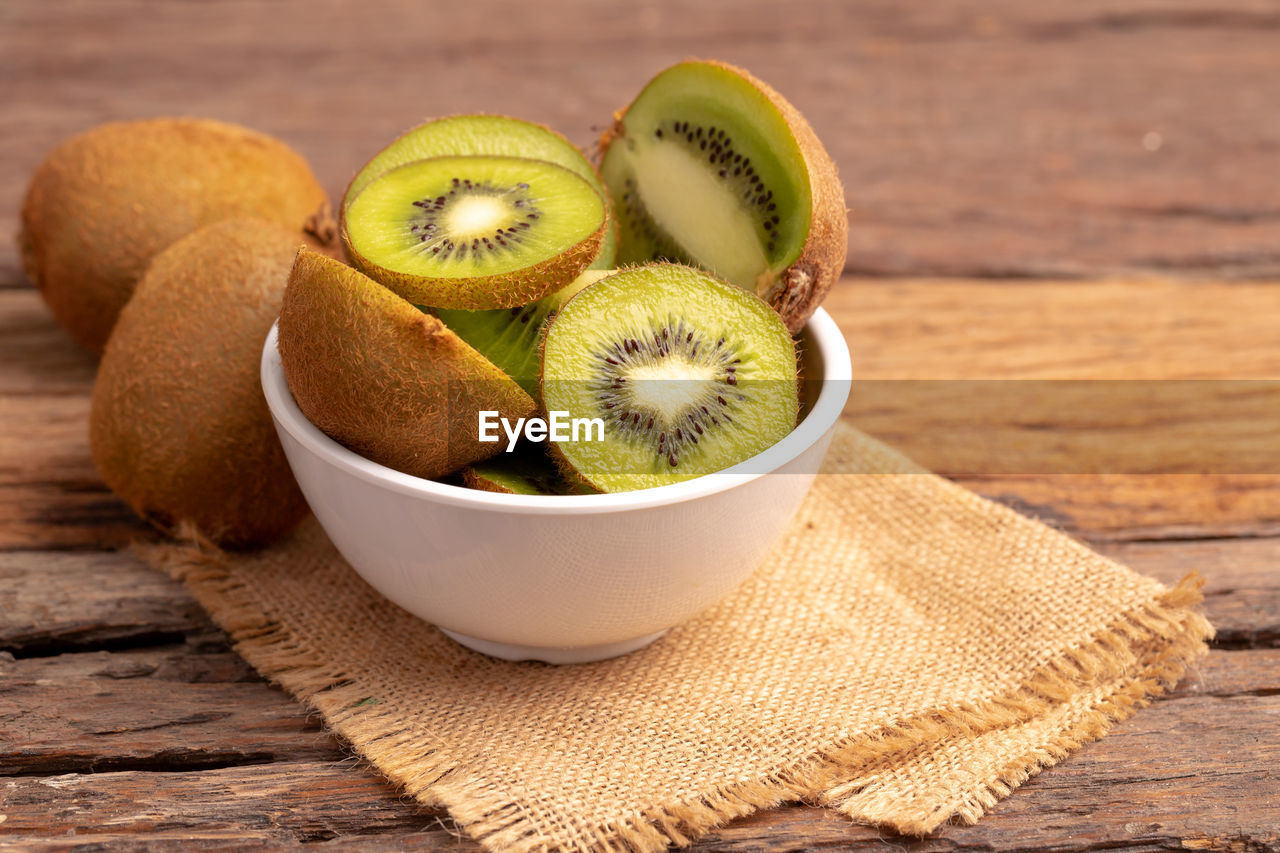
561,579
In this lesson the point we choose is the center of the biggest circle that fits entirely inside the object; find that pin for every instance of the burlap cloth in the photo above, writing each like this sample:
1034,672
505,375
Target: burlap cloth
909,653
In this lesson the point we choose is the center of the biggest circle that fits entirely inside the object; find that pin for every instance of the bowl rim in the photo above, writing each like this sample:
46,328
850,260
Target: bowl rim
837,374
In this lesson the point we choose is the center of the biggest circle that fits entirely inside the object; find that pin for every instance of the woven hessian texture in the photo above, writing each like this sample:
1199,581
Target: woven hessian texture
909,654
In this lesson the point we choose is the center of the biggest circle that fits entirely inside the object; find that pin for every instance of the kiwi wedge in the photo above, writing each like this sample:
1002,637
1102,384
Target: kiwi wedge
105,202
511,337
486,135
689,375
527,470
710,166
178,427
475,232
381,377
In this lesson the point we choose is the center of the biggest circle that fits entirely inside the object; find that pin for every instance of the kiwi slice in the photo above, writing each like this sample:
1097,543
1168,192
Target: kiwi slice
527,470
486,135
710,166
381,377
475,232
511,337
689,375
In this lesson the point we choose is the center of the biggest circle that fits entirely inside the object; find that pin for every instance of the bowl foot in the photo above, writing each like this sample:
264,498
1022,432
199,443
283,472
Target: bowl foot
546,654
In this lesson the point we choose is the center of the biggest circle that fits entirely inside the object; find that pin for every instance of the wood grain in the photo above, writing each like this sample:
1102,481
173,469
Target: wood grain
1173,774
1038,192
943,339
156,710
91,692
55,603
1131,329
178,708
1000,138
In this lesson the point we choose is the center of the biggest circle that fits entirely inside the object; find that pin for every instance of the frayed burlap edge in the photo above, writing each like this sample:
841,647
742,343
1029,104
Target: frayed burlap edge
1141,656
1145,652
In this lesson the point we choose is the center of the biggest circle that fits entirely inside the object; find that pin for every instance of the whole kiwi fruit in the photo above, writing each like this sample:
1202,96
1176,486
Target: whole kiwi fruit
103,203
711,167
179,427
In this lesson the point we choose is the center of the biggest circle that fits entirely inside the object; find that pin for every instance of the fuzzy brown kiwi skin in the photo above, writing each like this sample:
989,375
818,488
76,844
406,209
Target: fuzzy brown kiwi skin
472,480
510,290
804,284
383,378
179,427
106,201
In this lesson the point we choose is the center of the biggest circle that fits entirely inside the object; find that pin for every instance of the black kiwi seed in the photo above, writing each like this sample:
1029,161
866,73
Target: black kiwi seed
624,413
737,170
428,226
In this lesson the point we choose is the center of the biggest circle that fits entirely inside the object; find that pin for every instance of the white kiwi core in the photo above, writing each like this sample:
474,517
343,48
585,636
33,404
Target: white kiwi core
683,196
683,382
477,215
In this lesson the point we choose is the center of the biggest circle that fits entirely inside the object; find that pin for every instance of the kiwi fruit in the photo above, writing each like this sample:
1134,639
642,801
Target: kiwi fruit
688,373
475,232
527,470
710,166
511,337
178,427
486,135
384,379
105,202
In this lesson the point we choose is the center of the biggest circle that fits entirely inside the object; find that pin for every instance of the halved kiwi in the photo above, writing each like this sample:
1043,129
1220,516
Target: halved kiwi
712,167
486,135
688,374
381,377
511,337
475,232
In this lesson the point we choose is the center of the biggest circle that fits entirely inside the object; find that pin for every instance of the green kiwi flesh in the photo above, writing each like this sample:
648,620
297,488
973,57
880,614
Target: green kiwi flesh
384,379
710,167
527,470
475,232
511,337
485,135
689,374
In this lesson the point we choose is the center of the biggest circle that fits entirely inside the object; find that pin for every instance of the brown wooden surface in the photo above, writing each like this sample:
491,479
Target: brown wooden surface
1126,150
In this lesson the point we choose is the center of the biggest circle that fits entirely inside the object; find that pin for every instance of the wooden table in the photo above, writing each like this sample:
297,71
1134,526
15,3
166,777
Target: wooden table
1085,190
